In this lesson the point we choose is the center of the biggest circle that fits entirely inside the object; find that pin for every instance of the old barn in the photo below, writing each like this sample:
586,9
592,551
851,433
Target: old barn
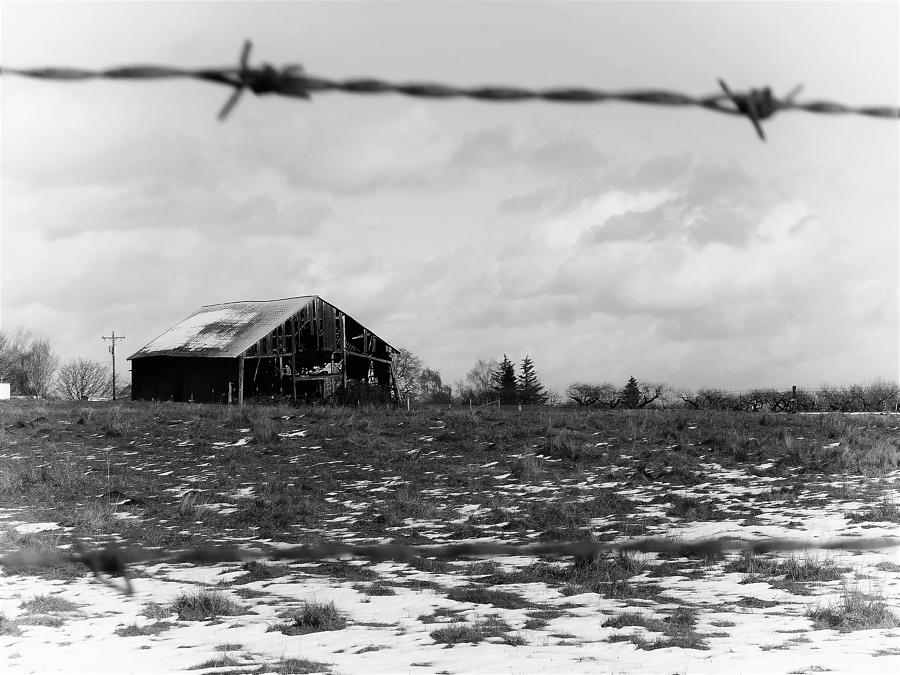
303,348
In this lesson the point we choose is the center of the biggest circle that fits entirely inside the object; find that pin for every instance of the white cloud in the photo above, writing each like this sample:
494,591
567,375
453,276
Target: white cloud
564,231
618,238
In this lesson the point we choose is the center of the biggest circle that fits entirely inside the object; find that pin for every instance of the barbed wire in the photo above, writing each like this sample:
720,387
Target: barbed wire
114,561
291,80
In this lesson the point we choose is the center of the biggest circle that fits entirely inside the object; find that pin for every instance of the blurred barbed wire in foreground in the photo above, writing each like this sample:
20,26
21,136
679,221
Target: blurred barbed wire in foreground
113,560
292,80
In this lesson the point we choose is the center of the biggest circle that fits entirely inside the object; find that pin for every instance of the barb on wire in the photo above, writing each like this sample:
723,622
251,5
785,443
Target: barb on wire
113,560
291,80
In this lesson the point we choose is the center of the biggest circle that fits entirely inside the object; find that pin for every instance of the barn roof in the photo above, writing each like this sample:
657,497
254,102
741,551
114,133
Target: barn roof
225,330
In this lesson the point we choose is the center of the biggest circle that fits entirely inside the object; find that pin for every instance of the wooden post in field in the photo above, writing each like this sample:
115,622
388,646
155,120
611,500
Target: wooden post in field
240,400
408,404
794,398
229,393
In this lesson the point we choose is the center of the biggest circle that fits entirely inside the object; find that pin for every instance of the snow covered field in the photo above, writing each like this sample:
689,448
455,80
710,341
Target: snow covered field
179,476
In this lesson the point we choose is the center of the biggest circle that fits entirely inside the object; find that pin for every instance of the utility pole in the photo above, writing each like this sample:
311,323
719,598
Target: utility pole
112,350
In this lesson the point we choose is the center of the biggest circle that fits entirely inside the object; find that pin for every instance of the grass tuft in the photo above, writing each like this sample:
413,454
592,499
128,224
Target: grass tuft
560,446
313,617
8,626
46,604
792,569
297,667
479,631
205,605
150,629
884,512
257,571
222,661
854,611
378,588
483,595
154,610
677,629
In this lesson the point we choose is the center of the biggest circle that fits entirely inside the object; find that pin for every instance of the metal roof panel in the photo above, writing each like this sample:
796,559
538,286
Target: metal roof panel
225,330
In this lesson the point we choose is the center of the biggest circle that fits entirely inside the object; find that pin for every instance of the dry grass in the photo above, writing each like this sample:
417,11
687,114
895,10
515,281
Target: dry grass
886,511
402,476
478,631
484,595
257,571
8,626
677,630
46,604
313,617
854,611
205,604
297,667
134,630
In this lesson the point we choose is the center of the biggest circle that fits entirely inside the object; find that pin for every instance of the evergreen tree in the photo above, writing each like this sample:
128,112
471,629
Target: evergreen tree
504,382
631,394
531,391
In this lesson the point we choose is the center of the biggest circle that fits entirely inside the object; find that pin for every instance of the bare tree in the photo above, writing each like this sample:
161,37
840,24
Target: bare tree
554,398
583,393
83,378
880,395
610,396
407,370
650,392
123,386
39,367
431,387
7,357
689,397
27,363
603,395
478,385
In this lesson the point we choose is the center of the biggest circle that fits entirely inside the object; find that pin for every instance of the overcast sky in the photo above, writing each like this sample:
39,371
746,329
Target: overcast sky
603,240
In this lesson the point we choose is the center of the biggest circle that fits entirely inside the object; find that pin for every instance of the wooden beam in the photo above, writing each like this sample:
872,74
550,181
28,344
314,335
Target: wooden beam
366,356
294,357
325,376
344,348
315,322
394,383
241,380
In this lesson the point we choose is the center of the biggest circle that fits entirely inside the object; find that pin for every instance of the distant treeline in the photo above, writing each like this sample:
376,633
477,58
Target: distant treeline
879,396
496,381
30,366
28,363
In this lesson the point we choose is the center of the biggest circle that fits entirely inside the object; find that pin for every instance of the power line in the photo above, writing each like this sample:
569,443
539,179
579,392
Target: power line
112,350
291,80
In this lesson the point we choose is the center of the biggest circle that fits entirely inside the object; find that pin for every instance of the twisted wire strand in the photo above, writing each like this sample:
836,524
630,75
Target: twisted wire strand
756,104
113,560
291,84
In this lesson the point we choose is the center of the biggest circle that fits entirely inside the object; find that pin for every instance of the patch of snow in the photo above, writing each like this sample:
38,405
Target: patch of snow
31,528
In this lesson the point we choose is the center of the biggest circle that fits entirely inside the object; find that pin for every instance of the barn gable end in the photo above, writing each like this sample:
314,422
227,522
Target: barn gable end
303,348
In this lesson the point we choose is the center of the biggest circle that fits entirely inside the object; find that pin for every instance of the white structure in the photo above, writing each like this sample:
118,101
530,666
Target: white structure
4,391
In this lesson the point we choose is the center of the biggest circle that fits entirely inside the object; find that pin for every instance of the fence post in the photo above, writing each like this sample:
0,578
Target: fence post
794,399
408,404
